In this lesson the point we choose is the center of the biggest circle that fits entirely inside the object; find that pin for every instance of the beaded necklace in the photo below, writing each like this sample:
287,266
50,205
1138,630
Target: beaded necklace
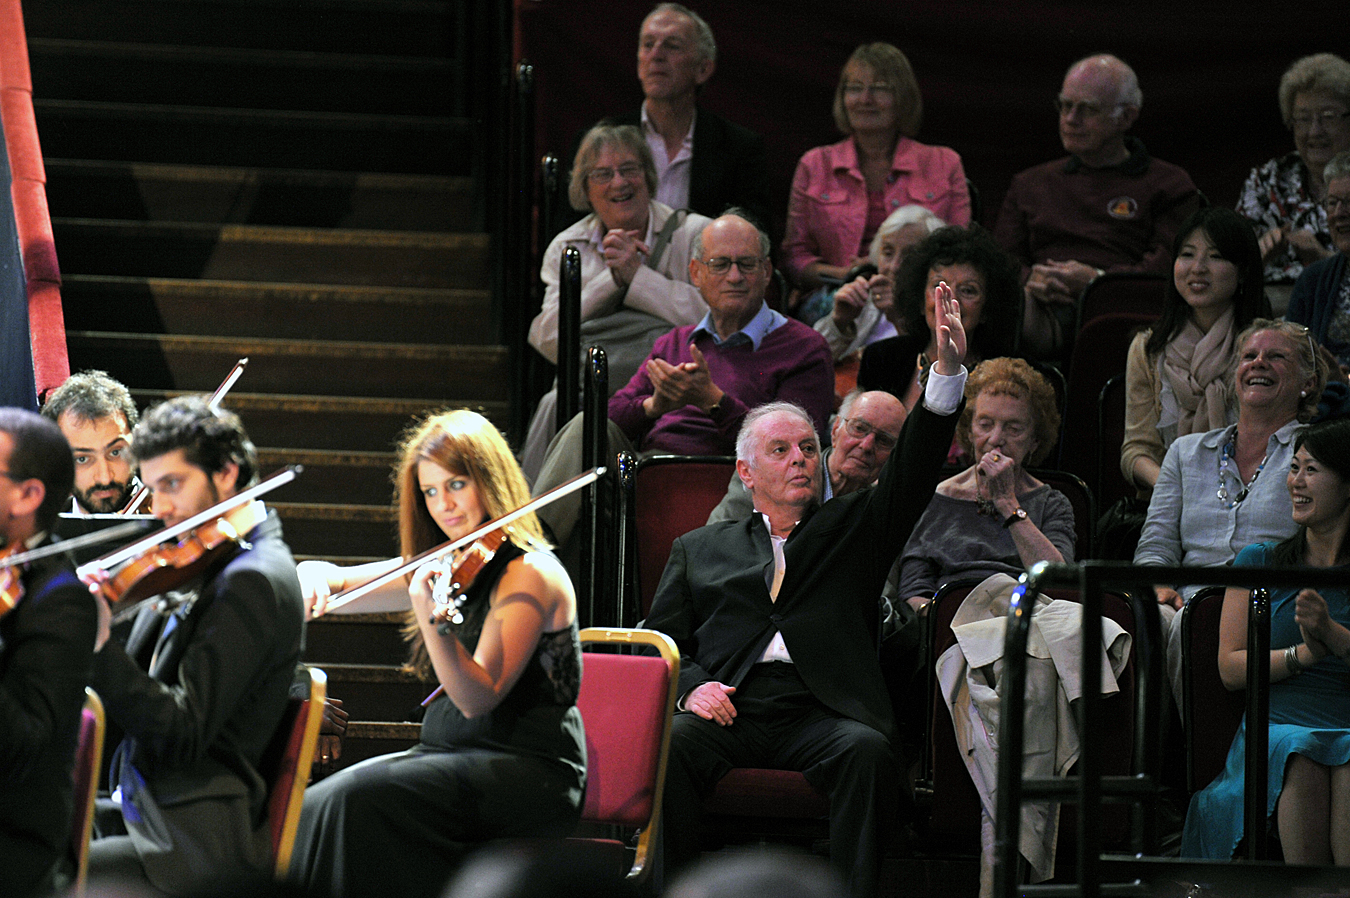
1230,450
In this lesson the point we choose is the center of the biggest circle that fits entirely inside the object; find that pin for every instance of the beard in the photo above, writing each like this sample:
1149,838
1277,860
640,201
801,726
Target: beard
105,505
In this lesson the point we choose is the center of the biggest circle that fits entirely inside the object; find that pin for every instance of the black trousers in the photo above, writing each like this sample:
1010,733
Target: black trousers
780,725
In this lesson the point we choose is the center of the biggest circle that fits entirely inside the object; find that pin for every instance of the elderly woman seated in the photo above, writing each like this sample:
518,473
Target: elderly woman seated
1281,197
993,517
634,267
865,310
1321,298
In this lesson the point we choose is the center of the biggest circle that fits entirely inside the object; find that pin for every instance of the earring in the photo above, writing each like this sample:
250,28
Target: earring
1303,393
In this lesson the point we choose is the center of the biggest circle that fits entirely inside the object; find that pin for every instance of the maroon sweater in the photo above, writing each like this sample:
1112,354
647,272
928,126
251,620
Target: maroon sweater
793,363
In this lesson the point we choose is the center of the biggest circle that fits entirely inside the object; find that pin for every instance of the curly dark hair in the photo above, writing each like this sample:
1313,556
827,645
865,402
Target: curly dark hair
210,438
973,246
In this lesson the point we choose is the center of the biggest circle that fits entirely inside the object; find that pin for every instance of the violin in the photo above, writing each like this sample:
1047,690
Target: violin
214,403
451,583
12,560
163,561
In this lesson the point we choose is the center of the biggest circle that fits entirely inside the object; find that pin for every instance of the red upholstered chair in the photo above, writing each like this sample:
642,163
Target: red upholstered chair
1098,355
627,703
1212,712
88,758
286,764
1115,292
668,496
1084,507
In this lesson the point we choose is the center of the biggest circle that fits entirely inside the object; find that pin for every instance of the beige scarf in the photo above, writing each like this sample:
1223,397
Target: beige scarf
1195,365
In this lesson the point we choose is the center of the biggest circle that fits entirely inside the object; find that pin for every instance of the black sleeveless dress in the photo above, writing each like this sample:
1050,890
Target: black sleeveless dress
400,824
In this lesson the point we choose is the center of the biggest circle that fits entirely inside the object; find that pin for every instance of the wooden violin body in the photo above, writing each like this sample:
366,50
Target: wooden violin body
171,564
451,584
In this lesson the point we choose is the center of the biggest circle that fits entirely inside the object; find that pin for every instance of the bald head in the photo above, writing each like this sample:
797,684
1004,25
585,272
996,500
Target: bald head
734,293
864,433
1098,104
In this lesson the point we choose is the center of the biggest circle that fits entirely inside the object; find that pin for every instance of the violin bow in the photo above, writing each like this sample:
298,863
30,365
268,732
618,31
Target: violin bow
445,548
107,535
100,565
214,403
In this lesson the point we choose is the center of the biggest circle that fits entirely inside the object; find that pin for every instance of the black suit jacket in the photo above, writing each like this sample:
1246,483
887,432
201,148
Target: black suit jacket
198,718
46,644
728,169
714,602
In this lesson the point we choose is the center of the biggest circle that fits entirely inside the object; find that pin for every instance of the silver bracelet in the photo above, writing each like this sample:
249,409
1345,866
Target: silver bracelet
1291,661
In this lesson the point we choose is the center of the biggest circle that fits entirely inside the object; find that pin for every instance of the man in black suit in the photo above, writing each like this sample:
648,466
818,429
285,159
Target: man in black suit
704,163
776,617
46,644
199,688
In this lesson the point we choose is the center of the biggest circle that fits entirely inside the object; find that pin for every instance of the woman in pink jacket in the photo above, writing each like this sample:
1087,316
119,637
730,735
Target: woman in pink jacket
842,193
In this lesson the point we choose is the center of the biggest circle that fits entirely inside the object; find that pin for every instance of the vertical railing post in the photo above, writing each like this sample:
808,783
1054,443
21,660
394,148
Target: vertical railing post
594,453
569,335
625,470
1258,723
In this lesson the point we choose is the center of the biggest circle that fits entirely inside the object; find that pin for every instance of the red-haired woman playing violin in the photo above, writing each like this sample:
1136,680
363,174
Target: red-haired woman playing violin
502,752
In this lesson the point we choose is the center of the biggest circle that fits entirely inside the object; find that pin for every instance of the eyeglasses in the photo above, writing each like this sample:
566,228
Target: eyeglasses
859,429
1327,118
857,89
601,176
722,264
1083,107
1333,203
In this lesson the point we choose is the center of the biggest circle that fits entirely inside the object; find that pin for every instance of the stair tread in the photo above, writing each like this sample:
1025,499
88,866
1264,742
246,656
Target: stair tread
293,118
327,456
283,234
312,292
198,53
237,173
259,345
308,402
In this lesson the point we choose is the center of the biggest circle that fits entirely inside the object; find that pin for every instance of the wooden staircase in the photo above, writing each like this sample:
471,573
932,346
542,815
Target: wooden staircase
301,184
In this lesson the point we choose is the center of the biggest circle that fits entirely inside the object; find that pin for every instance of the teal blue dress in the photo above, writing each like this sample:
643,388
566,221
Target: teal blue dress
1309,716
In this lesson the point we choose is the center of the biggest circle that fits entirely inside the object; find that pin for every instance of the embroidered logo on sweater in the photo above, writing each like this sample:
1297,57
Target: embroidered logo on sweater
1122,207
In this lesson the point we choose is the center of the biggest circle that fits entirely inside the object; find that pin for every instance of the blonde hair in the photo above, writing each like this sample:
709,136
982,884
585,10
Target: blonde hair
463,442
890,65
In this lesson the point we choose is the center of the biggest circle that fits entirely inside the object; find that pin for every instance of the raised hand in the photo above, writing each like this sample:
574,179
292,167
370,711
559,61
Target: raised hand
951,334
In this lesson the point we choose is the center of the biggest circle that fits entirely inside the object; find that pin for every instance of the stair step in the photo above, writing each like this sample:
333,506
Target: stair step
323,422
355,639
231,77
137,132
329,529
336,476
262,253
338,368
82,188
289,311
395,27
379,692
370,739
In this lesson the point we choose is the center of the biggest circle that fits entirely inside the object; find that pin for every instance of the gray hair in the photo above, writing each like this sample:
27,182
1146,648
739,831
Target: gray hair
1338,167
1319,72
1127,82
745,440
903,218
765,244
608,134
704,41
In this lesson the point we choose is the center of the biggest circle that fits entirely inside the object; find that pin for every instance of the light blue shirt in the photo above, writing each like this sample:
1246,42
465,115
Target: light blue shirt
765,322
1189,524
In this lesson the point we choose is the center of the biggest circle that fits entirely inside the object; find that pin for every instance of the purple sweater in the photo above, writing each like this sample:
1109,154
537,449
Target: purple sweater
793,363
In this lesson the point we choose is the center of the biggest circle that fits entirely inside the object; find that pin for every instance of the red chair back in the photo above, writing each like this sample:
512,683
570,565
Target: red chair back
1122,291
672,494
1211,712
1098,355
88,758
627,703
286,764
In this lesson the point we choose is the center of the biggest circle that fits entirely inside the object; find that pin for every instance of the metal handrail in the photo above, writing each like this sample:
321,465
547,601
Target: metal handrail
569,336
594,453
1091,578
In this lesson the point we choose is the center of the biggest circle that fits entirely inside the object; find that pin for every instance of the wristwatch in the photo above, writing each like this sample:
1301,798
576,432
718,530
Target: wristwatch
1019,515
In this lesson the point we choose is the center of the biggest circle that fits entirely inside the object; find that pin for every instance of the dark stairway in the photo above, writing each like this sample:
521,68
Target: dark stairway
298,183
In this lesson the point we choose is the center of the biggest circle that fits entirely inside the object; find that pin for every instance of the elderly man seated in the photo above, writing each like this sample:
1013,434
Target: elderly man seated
692,393
776,619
